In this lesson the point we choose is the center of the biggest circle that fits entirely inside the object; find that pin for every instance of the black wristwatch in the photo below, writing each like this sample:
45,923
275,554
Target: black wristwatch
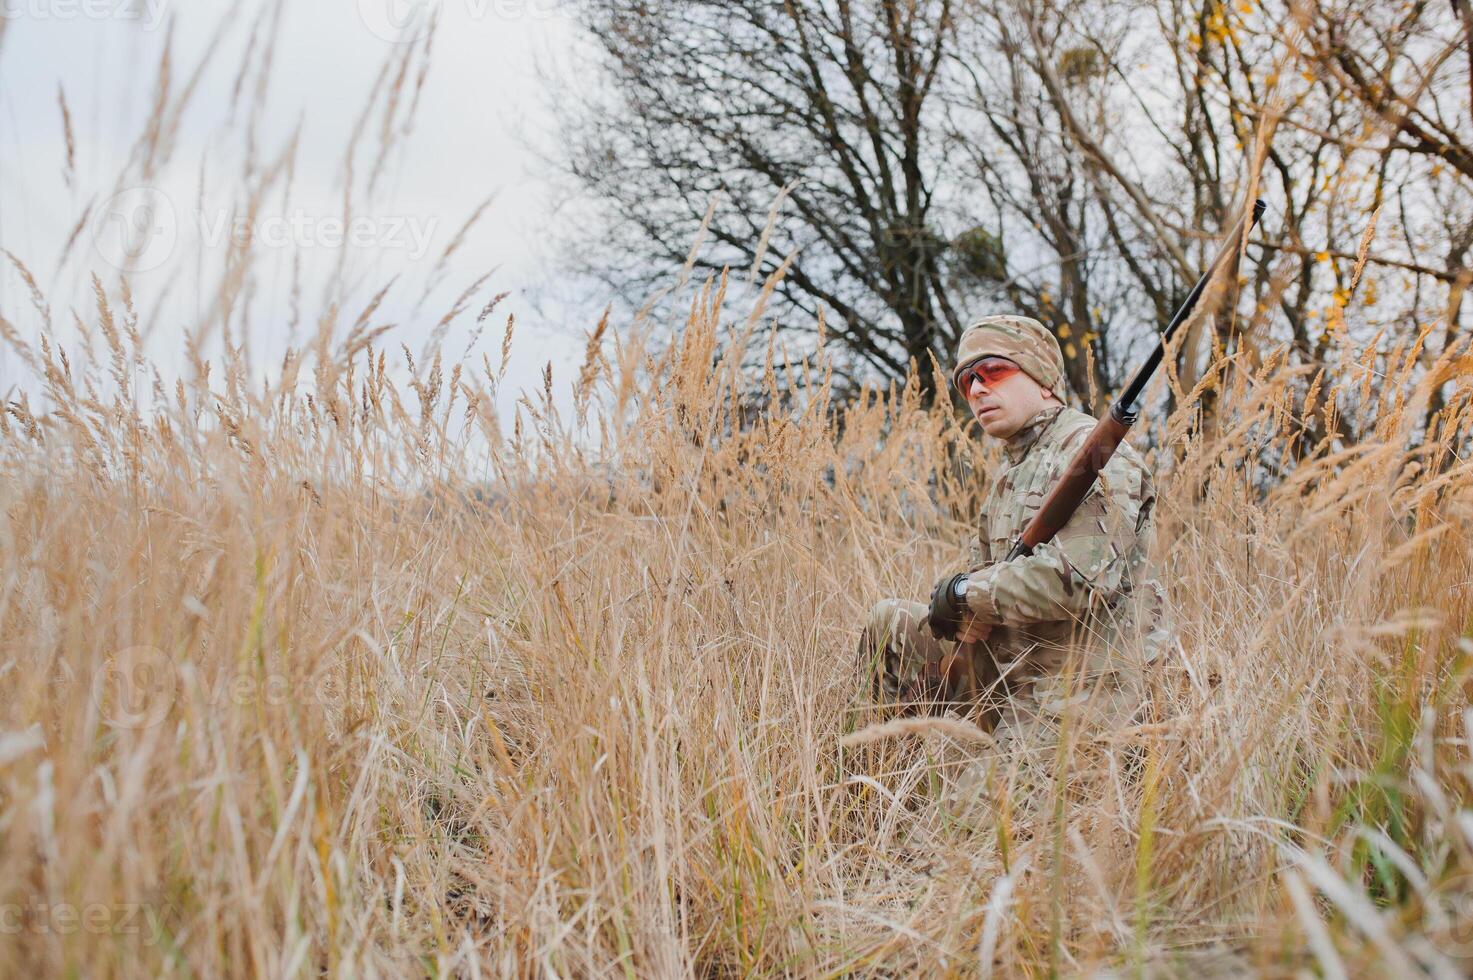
948,606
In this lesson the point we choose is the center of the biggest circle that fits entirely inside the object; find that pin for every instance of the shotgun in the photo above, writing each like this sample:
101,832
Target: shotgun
1079,476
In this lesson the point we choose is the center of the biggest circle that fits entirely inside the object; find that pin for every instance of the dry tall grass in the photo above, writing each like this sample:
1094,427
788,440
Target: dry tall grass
298,680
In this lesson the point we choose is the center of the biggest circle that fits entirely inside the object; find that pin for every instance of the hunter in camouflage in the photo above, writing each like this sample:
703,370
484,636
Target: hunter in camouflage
1067,631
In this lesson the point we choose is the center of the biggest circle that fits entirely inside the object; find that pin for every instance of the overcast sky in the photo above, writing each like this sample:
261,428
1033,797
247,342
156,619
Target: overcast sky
482,100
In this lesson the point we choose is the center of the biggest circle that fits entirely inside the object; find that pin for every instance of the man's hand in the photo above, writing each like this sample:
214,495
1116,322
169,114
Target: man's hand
973,631
950,619
949,607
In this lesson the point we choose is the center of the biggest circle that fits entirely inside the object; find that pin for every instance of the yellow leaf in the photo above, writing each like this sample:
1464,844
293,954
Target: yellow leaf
1063,331
1322,256
1069,350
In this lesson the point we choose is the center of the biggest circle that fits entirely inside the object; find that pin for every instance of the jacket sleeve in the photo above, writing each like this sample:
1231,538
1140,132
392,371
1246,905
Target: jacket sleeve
1082,567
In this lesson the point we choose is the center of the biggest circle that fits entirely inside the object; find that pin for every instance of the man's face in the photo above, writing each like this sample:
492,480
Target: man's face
1003,400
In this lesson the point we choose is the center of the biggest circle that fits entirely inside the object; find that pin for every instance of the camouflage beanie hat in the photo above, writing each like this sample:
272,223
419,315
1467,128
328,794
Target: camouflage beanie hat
1021,339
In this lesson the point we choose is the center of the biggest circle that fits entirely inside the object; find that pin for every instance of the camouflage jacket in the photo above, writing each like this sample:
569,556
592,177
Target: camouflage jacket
1090,585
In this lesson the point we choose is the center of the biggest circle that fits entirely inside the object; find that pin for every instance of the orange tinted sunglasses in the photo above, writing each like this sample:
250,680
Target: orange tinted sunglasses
989,370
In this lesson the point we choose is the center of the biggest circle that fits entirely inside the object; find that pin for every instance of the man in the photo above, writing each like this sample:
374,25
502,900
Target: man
1063,633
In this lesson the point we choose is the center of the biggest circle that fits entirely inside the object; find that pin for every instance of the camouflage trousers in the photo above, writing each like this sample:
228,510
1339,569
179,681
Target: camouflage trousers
1046,710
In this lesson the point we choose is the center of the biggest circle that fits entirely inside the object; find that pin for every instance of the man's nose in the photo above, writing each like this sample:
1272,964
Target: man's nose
976,387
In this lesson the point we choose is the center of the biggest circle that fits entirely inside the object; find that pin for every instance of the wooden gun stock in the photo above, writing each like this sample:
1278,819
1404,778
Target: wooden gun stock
1074,484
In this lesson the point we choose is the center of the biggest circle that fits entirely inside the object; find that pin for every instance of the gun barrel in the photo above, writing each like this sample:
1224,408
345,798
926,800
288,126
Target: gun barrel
1124,408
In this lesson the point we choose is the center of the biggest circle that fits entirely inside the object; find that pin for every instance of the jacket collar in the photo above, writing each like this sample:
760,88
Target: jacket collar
1016,446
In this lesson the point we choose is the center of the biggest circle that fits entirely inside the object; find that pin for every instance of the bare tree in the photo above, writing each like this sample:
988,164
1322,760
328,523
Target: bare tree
1408,69
833,104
